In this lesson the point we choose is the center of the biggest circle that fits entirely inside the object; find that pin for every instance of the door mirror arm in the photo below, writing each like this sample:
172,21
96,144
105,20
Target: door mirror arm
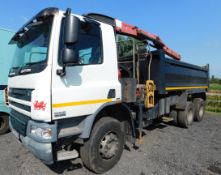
61,72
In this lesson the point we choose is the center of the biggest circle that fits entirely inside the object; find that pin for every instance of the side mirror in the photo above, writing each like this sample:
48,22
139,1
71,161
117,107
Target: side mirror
71,33
69,56
71,29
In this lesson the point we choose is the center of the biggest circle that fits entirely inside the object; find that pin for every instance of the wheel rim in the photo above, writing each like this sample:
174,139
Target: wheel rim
2,123
201,111
109,146
190,116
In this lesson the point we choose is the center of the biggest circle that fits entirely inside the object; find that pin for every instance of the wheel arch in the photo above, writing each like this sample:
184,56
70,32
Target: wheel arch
4,110
119,111
201,95
189,95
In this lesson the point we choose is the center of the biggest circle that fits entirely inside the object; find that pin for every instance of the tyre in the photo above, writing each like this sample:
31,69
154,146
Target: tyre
186,116
4,127
105,146
199,109
173,114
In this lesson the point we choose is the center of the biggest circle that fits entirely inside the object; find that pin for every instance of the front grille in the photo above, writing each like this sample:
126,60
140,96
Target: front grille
21,106
22,94
19,122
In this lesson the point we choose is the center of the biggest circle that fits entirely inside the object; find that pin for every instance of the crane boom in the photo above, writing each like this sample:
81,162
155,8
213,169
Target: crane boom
134,31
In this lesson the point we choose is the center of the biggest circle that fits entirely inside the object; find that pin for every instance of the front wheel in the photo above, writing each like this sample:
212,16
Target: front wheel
4,126
105,146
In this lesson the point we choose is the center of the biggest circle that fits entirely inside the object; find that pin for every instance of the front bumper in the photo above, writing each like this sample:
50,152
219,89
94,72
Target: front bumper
42,151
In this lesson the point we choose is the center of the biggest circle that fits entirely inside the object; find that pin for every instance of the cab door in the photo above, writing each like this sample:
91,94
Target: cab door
87,85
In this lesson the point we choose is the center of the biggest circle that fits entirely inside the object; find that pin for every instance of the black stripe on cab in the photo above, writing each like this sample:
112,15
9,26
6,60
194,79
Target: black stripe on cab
2,87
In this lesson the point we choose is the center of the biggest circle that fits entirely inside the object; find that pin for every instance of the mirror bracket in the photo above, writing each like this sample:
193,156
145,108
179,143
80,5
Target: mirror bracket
61,72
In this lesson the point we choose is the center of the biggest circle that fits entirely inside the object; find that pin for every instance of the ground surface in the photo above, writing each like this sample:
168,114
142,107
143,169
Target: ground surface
166,150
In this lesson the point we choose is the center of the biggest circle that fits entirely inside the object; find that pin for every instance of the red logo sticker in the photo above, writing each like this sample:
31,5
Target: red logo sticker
39,105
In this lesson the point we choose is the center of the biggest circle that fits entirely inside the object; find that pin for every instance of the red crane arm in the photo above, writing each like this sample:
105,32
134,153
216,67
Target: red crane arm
125,28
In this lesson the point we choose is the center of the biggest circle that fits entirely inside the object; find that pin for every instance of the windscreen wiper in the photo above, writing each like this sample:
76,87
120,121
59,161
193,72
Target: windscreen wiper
14,71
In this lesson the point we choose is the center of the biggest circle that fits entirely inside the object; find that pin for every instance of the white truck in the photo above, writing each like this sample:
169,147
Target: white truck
81,86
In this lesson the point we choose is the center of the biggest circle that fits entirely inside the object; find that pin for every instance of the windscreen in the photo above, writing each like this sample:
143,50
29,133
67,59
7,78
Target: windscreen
32,46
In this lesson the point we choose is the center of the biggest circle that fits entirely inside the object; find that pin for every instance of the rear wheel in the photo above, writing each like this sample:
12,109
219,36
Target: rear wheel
199,109
4,127
186,116
105,146
173,114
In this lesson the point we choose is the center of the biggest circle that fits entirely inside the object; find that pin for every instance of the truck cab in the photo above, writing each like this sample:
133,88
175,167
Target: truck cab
72,95
6,56
46,105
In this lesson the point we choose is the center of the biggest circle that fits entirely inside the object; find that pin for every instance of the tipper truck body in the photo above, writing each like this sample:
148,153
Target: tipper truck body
84,85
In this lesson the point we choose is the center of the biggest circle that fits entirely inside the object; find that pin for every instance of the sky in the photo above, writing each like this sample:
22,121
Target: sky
190,27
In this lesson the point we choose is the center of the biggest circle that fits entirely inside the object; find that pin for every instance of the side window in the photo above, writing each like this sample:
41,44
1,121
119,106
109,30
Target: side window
89,46
88,49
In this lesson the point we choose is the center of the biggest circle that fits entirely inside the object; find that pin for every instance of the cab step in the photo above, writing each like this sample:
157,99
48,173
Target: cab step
65,155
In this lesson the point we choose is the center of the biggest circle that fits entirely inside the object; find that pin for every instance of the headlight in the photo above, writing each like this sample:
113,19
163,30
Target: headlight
45,133
42,132
6,96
